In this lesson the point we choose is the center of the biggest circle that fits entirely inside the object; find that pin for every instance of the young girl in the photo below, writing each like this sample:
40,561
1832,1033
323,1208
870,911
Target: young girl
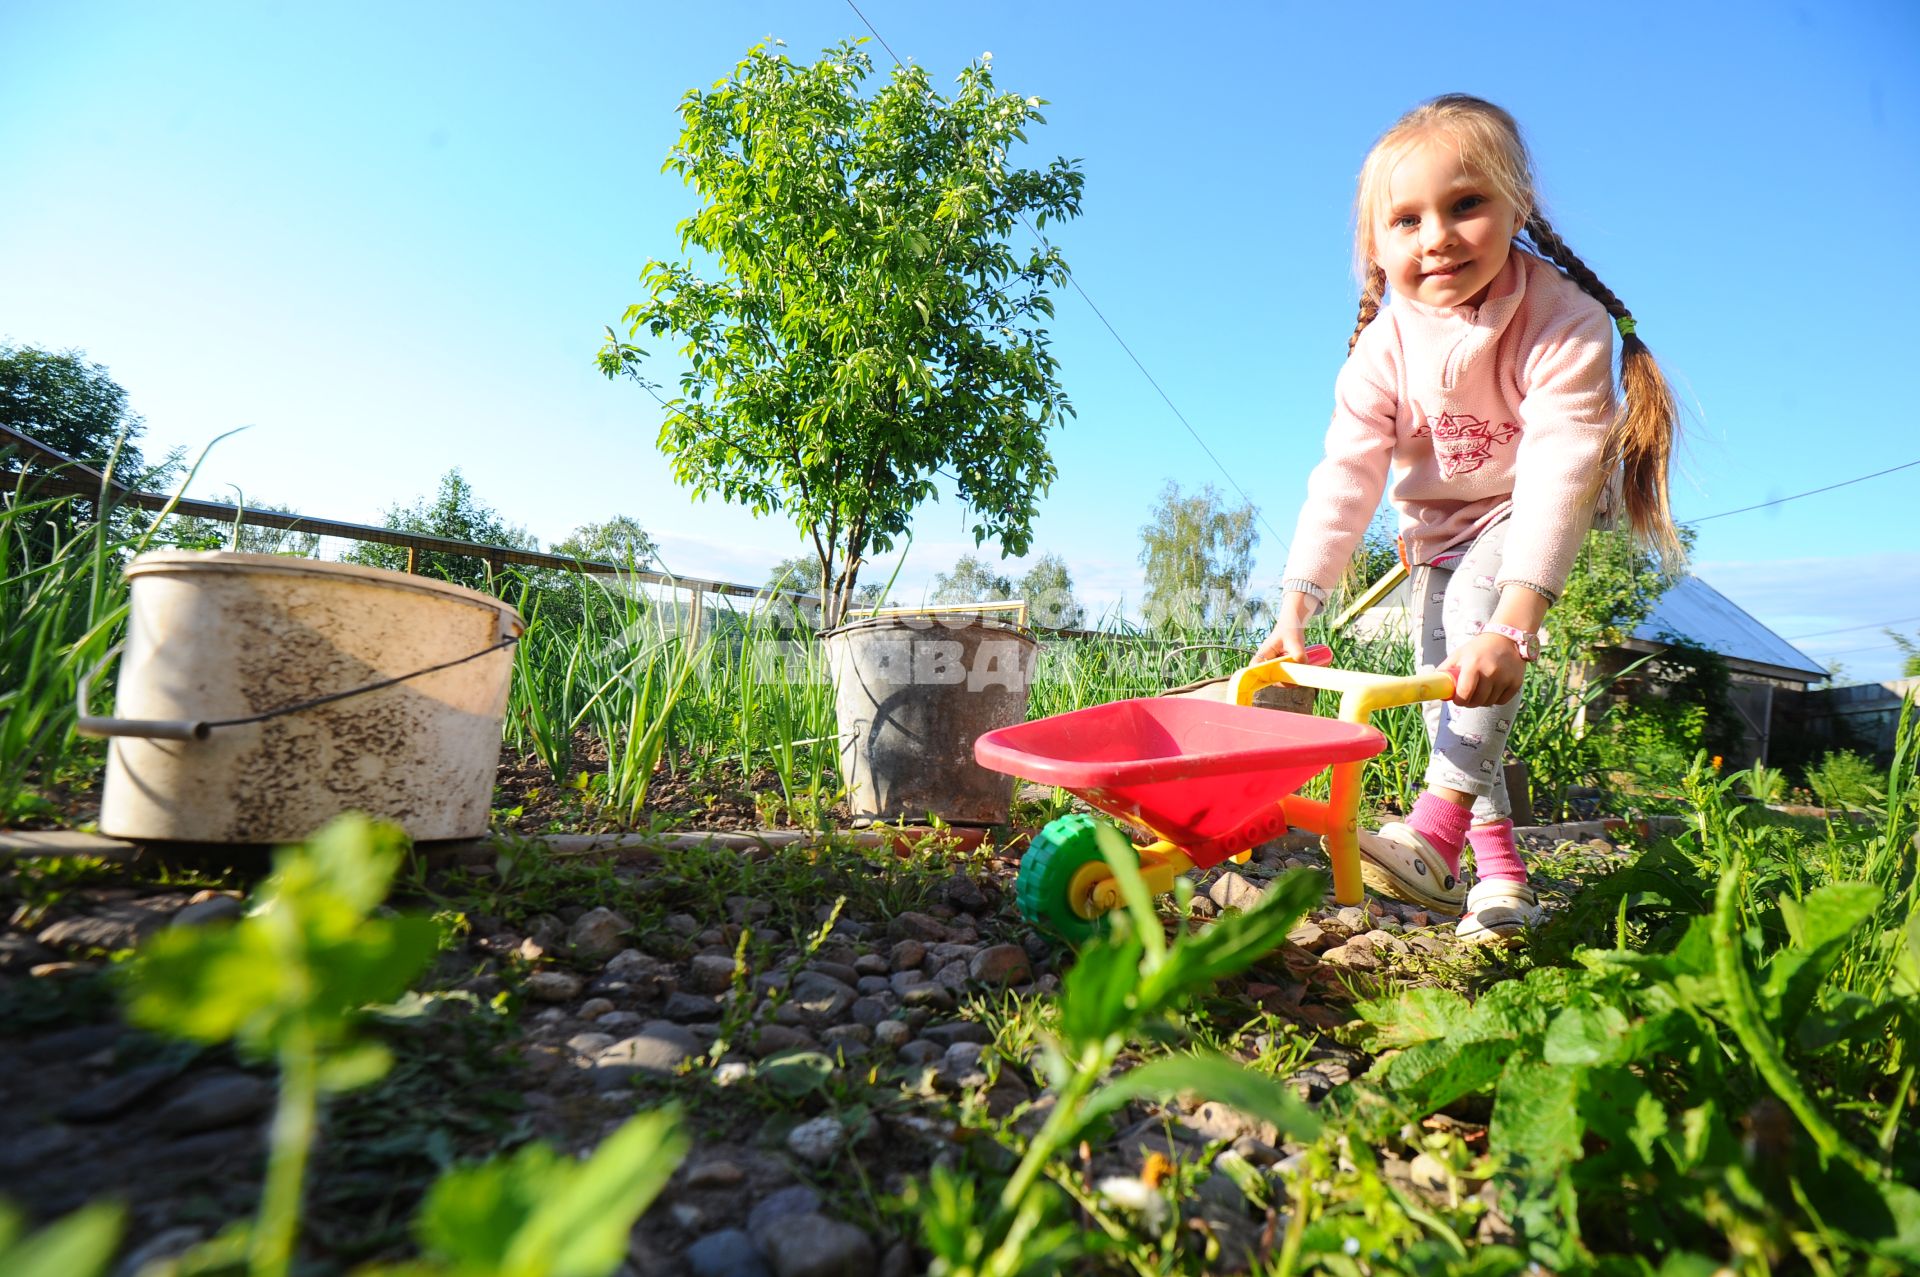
1486,388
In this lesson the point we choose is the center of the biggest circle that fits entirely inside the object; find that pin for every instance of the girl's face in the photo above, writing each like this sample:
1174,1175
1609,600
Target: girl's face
1443,232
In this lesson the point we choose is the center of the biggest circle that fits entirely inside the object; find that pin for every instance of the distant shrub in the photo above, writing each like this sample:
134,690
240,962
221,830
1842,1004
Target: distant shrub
1843,778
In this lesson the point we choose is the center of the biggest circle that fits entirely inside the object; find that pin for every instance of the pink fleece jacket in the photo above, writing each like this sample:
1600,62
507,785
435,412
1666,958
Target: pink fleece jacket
1478,412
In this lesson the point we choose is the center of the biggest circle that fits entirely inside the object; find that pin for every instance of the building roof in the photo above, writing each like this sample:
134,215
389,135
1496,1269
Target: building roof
1690,609
1693,610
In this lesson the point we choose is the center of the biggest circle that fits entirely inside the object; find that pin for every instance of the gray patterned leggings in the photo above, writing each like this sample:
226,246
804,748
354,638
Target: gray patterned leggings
1450,604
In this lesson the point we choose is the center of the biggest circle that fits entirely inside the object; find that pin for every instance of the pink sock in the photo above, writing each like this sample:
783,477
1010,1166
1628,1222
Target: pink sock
1494,855
1444,825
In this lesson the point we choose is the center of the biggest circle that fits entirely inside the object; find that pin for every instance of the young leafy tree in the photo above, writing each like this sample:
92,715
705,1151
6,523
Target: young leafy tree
869,323
1047,587
971,581
1198,555
1611,588
454,511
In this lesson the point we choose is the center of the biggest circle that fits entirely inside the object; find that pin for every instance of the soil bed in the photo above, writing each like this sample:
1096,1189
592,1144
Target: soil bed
575,990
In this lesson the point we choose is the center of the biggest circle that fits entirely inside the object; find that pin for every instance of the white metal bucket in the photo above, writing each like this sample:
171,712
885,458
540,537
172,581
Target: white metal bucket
216,637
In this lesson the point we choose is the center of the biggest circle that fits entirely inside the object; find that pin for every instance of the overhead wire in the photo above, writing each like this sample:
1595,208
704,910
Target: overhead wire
1848,629
1814,492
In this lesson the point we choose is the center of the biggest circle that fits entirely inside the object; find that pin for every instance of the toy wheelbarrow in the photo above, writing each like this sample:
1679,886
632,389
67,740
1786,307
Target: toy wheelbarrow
1210,780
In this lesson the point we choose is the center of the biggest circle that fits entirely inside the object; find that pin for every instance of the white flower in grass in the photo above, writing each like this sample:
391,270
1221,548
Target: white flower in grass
1136,1197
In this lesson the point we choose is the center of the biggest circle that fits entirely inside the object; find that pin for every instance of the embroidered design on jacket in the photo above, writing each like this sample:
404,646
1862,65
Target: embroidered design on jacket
1462,443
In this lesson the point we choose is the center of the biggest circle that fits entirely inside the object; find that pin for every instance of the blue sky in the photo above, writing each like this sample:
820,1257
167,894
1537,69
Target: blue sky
387,237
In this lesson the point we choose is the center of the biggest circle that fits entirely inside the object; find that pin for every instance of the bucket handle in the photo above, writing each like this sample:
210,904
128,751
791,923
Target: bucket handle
197,729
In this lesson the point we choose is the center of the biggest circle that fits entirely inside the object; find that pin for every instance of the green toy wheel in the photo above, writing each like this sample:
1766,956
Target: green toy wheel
1058,875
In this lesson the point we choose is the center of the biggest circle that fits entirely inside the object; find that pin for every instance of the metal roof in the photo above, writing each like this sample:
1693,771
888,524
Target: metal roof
1693,610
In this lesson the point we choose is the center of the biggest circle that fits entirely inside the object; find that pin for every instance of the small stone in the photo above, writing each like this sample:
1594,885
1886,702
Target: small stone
589,1043
113,926
817,1142
1353,919
553,986
1429,1172
214,909
953,977
935,996
959,1069
919,926
771,1039
1001,965
1352,956
691,1008
726,1254
1308,935
815,1001
718,1173
1008,1092
659,1049
892,1033
1231,891
213,1100
710,973
958,1031
615,1021
963,893
1216,1121
597,934
20,952
847,1035
907,955
115,1094
771,1210
684,925
872,964
873,984
840,971
870,1010
594,1008
920,1051
1419,918
815,1246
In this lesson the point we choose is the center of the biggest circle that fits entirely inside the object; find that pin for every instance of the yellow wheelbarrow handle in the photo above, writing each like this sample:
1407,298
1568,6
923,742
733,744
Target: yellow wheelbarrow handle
1361,695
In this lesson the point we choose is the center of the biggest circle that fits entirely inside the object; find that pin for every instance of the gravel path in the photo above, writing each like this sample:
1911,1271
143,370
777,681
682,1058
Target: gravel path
820,1085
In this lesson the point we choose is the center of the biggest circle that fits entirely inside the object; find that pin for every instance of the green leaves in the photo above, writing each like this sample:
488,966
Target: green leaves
78,1245
1820,928
306,957
538,1214
1217,1078
870,325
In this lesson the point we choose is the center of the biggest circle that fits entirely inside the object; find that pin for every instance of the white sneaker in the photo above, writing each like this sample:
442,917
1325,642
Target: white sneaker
1499,911
1398,861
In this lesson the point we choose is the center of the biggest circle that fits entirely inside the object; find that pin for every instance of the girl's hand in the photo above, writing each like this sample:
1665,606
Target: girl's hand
1487,670
1288,639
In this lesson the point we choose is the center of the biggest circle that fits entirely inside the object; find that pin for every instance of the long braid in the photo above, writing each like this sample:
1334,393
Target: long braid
1370,296
1641,441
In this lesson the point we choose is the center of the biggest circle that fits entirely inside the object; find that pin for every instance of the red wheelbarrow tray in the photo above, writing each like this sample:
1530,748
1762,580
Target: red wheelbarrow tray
1208,777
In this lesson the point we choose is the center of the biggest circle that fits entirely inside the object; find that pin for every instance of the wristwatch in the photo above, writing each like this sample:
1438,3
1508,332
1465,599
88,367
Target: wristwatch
1521,638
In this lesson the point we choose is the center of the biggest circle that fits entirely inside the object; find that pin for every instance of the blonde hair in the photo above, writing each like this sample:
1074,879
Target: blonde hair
1640,442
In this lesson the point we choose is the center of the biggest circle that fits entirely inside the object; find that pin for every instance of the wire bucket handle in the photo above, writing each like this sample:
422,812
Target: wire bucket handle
199,729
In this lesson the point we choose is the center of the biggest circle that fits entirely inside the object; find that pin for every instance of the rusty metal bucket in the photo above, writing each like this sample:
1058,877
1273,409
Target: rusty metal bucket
912,694
261,696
